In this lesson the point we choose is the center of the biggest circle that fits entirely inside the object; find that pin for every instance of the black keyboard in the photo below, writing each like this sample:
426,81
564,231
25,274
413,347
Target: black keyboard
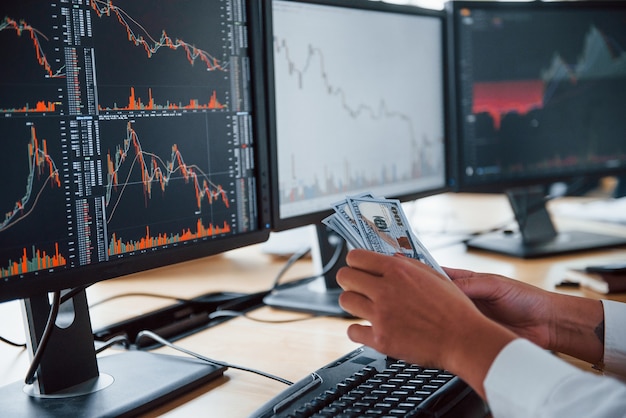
366,383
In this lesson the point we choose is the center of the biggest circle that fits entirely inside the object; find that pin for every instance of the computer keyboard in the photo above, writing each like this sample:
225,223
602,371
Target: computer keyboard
366,383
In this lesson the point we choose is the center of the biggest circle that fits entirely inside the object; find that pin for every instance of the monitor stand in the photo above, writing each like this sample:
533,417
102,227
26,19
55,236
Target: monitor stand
320,296
537,236
72,382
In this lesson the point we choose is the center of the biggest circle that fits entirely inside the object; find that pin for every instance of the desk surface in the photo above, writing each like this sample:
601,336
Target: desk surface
293,349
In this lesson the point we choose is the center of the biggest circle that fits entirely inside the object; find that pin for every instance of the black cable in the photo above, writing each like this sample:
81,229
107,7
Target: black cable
14,344
45,337
294,257
120,339
165,342
328,267
70,293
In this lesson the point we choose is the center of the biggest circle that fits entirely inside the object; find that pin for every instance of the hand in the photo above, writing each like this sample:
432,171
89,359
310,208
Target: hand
418,315
563,323
522,308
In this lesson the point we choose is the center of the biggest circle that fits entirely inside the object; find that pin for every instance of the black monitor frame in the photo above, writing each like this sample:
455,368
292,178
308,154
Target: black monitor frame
537,235
320,296
71,380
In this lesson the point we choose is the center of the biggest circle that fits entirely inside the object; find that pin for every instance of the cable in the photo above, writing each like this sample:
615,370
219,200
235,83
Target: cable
120,339
231,313
152,295
14,344
45,337
294,257
165,342
70,293
218,296
328,267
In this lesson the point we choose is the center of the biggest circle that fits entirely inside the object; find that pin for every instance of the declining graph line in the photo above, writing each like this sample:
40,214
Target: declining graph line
155,170
39,160
150,44
20,27
379,112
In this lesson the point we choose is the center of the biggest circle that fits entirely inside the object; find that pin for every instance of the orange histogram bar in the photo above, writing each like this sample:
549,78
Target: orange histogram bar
149,43
20,27
117,246
41,107
40,261
135,103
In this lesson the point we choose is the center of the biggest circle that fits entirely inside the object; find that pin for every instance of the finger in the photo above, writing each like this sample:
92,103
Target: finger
367,260
420,265
356,304
360,334
476,287
458,273
360,281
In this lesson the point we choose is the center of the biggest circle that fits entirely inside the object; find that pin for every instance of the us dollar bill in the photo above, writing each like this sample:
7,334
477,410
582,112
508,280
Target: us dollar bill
380,225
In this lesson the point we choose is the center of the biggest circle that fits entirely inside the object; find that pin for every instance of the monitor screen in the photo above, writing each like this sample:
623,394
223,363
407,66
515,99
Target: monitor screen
357,106
540,96
540,91
357,95
133,137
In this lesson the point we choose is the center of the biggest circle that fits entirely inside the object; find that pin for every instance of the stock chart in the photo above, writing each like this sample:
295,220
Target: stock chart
125,128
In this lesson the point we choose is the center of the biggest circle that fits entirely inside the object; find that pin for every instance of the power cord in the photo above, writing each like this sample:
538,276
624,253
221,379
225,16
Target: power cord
13,343
233,314
159,339
118,339
328,267
290,262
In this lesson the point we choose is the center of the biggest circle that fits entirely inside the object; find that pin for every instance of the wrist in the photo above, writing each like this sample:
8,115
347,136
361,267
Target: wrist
578,329
476,349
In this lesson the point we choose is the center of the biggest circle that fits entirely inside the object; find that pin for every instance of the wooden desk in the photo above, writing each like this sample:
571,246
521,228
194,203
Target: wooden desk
293,349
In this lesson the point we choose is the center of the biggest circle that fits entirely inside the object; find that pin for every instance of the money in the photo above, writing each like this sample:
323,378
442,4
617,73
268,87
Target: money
379,225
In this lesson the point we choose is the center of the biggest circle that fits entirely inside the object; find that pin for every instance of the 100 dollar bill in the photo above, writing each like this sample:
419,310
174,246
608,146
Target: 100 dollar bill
385,229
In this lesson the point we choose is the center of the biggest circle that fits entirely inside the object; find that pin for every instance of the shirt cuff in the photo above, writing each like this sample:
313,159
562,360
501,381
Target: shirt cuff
614,337
522,377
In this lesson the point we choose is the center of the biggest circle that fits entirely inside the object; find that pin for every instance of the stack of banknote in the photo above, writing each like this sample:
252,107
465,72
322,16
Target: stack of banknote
380,225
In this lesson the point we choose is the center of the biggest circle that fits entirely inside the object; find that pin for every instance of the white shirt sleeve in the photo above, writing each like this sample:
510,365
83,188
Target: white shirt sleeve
614,337
528,381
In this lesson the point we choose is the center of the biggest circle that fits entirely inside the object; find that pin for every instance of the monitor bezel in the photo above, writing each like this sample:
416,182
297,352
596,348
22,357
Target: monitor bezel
279,223
459,181
41,281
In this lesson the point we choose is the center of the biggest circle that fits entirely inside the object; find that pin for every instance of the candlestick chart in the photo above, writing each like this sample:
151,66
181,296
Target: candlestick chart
181,65
42,173
22,28
30,83
141,38
176,186
32,204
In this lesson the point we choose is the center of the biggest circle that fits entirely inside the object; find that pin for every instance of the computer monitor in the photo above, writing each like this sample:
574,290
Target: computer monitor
133,137
357,99
540,93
